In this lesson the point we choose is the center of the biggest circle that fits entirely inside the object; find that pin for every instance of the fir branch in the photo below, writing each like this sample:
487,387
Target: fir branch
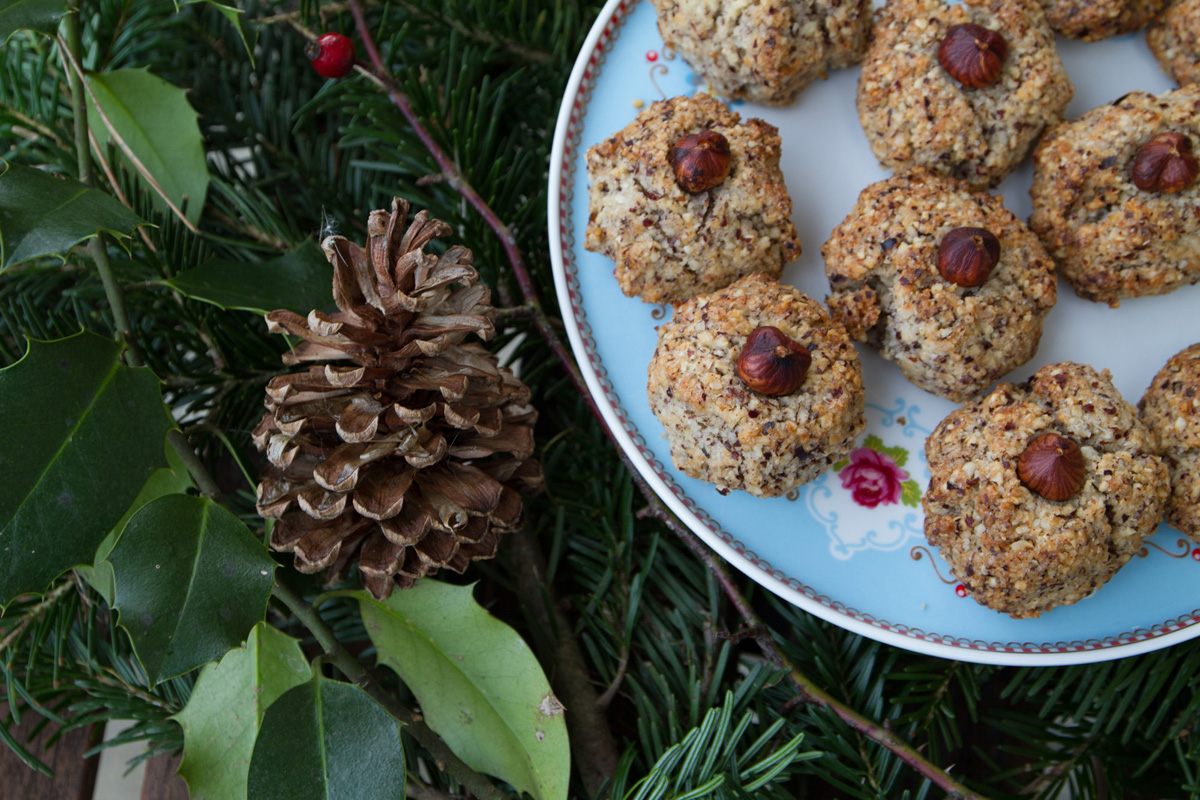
35,612
808,691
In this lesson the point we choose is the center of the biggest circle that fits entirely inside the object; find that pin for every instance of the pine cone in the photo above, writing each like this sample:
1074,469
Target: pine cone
411,457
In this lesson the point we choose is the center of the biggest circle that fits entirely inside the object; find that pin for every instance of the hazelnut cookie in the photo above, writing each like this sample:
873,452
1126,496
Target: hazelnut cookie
670,242
1093,20
1171,409
962,89
765,51
805,413
943,281
1175,41
1041,491
1115,199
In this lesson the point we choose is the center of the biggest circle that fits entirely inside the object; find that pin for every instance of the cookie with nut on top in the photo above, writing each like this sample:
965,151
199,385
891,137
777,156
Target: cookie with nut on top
943,281
765,51
1115,196
962,89
1174,39
756,388
1040,491
688,198
1093,20
1171,409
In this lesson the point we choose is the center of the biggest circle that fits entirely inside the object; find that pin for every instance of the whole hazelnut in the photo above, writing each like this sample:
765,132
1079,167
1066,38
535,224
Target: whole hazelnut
972,54
701,161
771,363
967,256
1165,164
1052,466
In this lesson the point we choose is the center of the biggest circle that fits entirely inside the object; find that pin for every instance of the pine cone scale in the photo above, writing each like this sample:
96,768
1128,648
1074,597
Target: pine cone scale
403,447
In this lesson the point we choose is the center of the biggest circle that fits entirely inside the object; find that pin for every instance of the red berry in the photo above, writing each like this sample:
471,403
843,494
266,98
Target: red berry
332,55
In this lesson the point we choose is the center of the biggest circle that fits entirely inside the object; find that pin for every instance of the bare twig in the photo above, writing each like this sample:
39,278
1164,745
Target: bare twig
116,187
592,742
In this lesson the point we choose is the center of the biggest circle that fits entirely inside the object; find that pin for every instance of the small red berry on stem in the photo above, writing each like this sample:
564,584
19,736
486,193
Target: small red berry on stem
331,54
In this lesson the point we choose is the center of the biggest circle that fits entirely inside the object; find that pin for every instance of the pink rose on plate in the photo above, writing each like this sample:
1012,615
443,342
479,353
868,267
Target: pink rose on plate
873,478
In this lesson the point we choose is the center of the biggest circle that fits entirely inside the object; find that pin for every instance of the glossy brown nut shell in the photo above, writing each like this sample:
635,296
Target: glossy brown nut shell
967,256
1052,466
1165,164
701,161
771,363
972,54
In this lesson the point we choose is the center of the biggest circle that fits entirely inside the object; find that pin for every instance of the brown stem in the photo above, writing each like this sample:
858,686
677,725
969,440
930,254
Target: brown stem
592,742
805,688
349,666
503,233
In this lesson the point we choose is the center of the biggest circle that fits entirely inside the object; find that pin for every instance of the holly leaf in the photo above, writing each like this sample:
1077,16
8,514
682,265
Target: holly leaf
479,686
47,215
327,740
155,120
35,15
910,494
226,708
191,581
172,480
82,433
299,280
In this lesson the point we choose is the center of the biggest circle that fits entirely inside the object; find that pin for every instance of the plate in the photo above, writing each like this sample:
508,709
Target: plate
864,568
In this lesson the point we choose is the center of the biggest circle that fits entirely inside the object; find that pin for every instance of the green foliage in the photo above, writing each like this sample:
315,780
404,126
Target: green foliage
226,708
191,581
82,433
299,280
707,763
234,15
44,215
37,15
291,156
478,685
326,740
173,479
154,119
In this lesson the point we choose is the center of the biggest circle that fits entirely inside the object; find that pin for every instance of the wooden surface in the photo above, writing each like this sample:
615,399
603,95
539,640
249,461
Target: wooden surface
161,781
74,778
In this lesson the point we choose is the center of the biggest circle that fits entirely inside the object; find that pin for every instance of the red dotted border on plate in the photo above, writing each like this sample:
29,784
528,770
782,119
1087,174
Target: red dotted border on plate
566,194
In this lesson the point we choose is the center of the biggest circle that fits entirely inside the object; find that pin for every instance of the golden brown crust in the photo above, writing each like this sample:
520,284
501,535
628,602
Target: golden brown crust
1112,240
670,245
765,51
886,290
1015,551
914,113
723,432
1175,40
1171,409
1092,20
